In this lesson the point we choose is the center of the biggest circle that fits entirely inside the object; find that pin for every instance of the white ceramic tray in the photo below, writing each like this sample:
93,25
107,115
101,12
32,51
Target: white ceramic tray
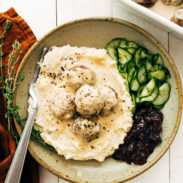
158,14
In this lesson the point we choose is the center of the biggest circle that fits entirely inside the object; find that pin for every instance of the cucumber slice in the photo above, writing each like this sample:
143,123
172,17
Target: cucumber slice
111,48
157,67
151,97
167,73
139,91
124,56
157,59
130,74
137,100
159,75
144,53
125,67
120,68
130,64
148,65
132,44
148,88
158,106
131,50
164,94
134,103
134,85
141,76
137,57
123,43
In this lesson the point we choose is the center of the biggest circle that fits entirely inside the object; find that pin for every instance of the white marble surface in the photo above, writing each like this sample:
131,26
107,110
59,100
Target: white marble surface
43,15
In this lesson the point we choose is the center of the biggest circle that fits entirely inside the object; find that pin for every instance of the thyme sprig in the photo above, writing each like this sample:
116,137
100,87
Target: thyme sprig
6,86
7,79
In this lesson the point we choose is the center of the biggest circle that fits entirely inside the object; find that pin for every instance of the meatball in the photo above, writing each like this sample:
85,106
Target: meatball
109,98
66,64
146,3
178,16
79,75
62,104
86,128
88,100
172,2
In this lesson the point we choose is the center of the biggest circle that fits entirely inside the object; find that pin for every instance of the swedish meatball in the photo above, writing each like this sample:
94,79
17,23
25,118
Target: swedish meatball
178,16
109,97
86,128
68,63
172,2
88,100
146,3
79,75
62,104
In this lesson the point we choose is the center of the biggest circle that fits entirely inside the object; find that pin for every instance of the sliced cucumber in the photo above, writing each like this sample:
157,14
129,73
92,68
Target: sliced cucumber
137,100
125,67
157,59
134,103
131,50
157,67
123,43
140,91
130,74
137,57
132,44
168,75
148,65
142,76
159,75
130,65
163,96
159,106
151,97
124,56
144,53
148,88
134,85
111,48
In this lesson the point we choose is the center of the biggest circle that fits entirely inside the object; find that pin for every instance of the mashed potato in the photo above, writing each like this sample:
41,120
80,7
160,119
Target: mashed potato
74,82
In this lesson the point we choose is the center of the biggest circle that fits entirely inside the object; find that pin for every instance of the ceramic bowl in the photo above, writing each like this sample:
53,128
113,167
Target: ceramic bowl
96,32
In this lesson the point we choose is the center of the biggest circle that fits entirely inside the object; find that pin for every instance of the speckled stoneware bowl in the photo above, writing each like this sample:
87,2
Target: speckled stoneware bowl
96,32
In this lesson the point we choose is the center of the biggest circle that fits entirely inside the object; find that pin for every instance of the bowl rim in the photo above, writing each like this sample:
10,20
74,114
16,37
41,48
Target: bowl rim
152,39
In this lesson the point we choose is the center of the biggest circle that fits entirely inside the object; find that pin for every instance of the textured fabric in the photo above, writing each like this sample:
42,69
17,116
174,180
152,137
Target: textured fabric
19,31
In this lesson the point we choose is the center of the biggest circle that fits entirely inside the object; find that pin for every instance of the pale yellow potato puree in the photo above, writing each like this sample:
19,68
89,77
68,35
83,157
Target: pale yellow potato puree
58,132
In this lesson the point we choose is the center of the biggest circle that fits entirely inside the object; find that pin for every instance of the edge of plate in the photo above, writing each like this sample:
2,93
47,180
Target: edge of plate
156,42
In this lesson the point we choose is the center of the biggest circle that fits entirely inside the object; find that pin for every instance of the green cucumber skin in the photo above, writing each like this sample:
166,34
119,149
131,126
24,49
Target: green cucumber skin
124,56
152,97
142,75
159,75
136,81
111,48
148,88
159,101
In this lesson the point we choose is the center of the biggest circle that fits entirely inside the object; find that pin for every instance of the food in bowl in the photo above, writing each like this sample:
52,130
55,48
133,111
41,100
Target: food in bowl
94,103
146,3
171,9
84,110
146,80
178,16
172,2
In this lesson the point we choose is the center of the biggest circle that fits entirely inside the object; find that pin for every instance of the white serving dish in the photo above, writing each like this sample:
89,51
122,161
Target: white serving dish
158,15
